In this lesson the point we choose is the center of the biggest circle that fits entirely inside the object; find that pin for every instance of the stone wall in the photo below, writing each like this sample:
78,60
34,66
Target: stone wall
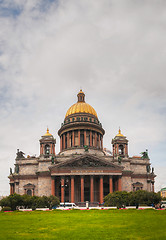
126,184
44,186
44,166
20,188
81,151
136,168
143,181
27,169
126,165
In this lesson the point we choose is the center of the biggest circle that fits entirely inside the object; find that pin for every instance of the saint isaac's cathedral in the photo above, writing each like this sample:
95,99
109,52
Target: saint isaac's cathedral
83,170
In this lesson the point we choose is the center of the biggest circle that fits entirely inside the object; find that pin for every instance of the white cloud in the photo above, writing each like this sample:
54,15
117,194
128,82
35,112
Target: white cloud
114,50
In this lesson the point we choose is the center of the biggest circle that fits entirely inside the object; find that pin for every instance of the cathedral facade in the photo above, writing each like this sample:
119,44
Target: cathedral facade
83,170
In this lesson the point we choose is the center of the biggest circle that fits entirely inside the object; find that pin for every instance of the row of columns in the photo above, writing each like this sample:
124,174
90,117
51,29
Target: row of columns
96,143
101,192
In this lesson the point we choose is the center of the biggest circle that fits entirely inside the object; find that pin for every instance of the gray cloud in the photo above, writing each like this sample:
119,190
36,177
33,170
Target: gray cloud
114,50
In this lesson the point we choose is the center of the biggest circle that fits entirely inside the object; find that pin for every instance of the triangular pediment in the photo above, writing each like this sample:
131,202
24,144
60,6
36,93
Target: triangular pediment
87,161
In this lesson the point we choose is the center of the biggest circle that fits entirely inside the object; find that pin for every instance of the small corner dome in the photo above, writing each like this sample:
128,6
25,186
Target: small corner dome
47,134
119,134
81,106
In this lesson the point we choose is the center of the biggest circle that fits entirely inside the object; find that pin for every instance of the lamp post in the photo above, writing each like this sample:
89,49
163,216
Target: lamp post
65,186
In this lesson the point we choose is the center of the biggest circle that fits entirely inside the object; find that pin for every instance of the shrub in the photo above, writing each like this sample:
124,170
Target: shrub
15,201
4,209
132,198
118,199
53,201
4,202
27,201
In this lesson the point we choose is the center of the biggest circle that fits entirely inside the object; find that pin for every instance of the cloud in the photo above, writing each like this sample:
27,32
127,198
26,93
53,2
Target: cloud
114,50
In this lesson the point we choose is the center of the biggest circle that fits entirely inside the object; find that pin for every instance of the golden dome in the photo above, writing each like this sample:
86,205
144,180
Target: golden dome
119,134
47,133
81,106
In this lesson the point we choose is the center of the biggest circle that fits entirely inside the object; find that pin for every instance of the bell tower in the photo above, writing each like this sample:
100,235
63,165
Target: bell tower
47,144
120,145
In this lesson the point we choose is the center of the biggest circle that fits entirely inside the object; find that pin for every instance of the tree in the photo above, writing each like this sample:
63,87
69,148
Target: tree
27,201
136,198
53,201
4,202
13,201
118,199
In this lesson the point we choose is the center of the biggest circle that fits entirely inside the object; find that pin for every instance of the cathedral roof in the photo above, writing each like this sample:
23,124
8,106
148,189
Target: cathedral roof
81,106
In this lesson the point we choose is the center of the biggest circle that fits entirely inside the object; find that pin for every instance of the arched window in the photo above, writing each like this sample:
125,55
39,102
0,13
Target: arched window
29,192
121,149
137,186
47,149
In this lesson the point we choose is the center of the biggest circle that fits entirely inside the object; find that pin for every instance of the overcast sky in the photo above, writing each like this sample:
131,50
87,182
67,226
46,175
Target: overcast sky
114,50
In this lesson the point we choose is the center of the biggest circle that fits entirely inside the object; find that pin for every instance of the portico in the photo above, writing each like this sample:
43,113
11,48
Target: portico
81,188
85,178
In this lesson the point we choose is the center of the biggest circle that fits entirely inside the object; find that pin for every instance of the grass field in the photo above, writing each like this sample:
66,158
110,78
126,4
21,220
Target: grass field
87,224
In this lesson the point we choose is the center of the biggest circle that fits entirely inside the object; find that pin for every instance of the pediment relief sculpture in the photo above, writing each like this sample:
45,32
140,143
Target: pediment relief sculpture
87,162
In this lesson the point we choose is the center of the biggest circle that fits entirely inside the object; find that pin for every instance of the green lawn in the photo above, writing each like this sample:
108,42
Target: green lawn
87,224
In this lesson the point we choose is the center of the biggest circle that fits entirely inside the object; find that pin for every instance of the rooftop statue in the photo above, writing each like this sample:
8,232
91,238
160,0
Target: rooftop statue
16,169
145,154
119,159
86,148
20,154
52,159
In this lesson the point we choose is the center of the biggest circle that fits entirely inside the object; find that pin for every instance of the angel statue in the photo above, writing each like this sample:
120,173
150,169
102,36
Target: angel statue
20,154
86,148
145,154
